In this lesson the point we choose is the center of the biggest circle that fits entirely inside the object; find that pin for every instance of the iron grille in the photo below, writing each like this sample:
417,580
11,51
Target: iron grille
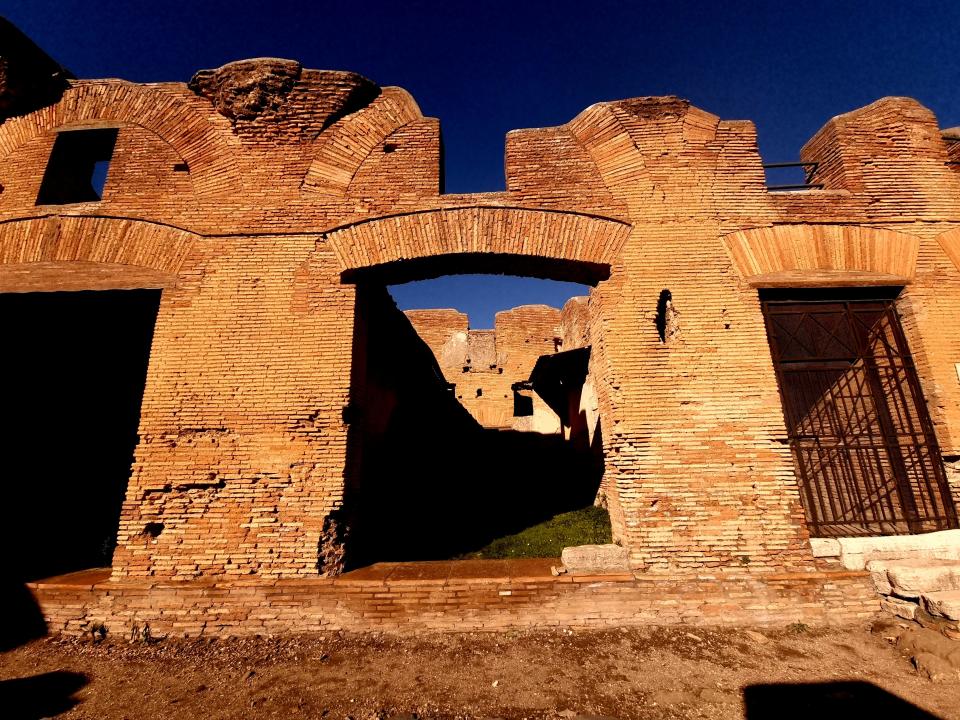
862,440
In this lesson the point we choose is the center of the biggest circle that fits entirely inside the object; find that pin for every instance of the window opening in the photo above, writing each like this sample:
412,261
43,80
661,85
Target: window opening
78,166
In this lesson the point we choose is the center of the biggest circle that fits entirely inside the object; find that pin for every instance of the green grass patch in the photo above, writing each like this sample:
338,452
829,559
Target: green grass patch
587,526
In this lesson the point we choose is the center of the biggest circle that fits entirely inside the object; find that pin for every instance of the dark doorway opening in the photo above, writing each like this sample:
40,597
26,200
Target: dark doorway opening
426,479
863,443
73,366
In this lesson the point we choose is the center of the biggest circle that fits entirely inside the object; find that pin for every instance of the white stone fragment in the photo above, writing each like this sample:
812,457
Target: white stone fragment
825,547
945,604
911,578
878,573
855,553
596,558
900,608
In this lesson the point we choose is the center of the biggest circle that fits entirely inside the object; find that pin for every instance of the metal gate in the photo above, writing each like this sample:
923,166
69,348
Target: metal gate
862,440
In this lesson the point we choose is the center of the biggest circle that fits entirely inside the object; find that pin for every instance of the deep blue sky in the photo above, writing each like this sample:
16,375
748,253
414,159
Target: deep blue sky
486,68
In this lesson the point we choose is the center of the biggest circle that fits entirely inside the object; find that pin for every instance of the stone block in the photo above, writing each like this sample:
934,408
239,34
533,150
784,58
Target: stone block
595,558
856,553
911,578
900,608
825,547
945,604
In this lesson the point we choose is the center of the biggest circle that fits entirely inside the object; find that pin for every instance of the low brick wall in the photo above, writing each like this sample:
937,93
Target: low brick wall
258,606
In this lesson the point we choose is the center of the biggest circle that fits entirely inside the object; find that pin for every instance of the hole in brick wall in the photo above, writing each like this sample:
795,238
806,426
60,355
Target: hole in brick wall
76,365
153,529
479,392
666,321
389,147
78,166
522,405
348,414
181,168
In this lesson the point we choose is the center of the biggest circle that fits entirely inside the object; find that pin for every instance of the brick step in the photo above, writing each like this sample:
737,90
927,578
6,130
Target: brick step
912,578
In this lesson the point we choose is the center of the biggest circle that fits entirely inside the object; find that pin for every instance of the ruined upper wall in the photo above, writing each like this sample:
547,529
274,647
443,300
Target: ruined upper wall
886,161
265,145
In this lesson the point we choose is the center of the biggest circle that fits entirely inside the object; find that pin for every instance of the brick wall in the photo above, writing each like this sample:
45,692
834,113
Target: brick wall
478,604
485,364
330,181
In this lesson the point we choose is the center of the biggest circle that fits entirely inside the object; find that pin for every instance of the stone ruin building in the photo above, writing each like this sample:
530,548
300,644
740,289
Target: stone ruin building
762,387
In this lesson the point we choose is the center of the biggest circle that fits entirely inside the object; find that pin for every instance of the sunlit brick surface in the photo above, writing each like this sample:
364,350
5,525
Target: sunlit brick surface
256,216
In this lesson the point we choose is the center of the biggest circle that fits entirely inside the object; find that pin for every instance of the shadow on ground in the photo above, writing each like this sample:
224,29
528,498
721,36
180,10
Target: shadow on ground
37,696
827,701
40,696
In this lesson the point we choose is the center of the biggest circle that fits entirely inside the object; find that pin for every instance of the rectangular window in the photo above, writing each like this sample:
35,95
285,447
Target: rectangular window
77,169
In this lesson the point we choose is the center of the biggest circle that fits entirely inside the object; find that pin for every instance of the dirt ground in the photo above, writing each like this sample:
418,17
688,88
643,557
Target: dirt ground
631,673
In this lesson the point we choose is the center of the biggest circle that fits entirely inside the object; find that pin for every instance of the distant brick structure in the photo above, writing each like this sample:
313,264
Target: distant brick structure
485,366
263,198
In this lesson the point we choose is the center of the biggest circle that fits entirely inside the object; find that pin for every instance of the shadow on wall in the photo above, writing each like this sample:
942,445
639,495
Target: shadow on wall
827,701
74,366
426,482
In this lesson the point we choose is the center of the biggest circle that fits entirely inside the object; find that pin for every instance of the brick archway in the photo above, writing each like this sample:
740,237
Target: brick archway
89,253
187,123
822,255
523,241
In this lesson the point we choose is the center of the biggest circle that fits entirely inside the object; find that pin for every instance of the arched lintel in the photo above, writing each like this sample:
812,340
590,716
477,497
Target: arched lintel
529,241
70,252
823,255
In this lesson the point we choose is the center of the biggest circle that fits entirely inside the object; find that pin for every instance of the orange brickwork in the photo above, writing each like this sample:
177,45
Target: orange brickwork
262,195
484,366
453,597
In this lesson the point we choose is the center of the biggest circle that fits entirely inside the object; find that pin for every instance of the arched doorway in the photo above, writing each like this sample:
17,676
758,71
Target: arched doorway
429,477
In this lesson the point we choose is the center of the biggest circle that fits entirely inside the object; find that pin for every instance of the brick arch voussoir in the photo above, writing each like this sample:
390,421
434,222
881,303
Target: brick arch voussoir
88,252
949,241
189,125
816,255
475,233
342,148
613,151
